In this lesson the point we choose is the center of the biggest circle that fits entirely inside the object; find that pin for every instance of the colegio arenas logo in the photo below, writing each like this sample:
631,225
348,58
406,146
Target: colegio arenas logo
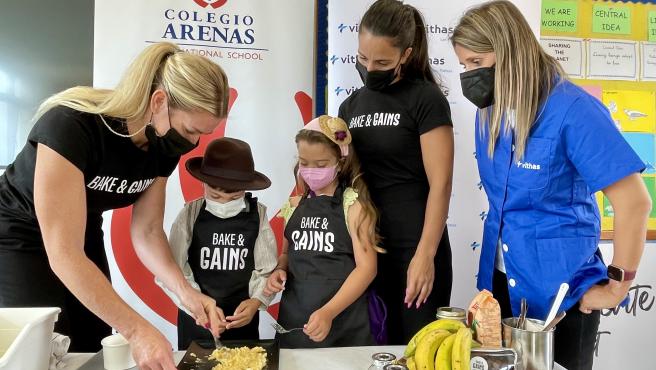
213,3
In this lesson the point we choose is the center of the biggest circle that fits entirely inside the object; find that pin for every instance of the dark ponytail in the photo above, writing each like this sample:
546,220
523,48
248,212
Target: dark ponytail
418,65
405,25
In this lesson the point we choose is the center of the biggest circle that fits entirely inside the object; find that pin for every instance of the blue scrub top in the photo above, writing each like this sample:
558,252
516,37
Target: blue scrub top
543,207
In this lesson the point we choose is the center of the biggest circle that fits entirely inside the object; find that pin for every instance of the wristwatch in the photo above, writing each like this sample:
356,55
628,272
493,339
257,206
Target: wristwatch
619,274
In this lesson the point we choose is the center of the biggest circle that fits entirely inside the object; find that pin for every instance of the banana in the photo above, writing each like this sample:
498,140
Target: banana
445,324
443,358
461,352
427,348
410,363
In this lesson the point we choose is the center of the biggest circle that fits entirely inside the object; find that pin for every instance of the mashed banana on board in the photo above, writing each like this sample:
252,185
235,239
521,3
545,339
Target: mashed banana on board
242,358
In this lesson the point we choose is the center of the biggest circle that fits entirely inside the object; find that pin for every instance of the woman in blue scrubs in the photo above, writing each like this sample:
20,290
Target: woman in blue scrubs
544,147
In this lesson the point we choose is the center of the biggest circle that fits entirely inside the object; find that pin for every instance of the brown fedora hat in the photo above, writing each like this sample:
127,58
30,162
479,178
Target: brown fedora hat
227,164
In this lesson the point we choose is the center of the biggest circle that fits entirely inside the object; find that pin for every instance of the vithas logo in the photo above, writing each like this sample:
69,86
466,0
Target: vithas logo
528,166
348,91
346,59
348,27
213,3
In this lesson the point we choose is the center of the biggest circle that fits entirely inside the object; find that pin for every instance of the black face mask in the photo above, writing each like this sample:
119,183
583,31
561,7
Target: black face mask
375,80
172,144
478,86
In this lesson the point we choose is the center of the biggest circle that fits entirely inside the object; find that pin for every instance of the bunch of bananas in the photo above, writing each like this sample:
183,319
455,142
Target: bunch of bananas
441,345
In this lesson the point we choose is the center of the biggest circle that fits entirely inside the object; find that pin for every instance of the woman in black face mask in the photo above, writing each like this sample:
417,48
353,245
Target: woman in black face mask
544,147
95,150
402,132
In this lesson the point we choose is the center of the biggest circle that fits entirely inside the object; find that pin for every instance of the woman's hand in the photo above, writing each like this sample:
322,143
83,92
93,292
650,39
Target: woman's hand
151,350
604,296
420,277
204,310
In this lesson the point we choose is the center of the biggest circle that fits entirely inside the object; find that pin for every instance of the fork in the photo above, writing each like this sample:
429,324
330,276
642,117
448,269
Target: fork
217,342
280,330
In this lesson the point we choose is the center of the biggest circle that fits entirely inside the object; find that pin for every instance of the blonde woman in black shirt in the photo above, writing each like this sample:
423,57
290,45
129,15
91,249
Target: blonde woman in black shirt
94,150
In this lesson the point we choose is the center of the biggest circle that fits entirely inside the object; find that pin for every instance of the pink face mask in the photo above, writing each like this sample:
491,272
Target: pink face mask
318,178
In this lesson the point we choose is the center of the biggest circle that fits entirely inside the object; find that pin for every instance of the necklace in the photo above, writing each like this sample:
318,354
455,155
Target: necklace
118,133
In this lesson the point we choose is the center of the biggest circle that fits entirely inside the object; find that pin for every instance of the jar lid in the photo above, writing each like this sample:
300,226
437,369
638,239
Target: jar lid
383,358
395,367
451,312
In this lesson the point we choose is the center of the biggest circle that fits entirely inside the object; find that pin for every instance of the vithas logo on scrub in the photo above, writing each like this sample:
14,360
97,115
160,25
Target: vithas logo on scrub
528,166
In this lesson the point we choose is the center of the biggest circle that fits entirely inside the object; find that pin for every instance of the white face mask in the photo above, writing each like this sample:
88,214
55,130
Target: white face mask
225,210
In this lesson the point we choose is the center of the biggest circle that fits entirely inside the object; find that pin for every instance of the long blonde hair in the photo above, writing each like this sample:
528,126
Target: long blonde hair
350,174
192,83
524,74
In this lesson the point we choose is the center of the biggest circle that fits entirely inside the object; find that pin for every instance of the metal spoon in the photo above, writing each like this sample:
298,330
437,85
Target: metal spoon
555,321
521,322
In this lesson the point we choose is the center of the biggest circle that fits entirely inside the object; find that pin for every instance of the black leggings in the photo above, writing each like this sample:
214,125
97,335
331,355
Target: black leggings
390,285
575,335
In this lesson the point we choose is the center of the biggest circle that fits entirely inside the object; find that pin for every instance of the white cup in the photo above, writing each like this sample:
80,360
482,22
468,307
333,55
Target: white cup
116,353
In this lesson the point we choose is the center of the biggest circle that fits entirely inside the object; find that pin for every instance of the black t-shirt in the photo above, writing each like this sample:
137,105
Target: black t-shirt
116,172
386,126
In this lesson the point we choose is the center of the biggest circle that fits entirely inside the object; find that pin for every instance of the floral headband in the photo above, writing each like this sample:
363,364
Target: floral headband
334,128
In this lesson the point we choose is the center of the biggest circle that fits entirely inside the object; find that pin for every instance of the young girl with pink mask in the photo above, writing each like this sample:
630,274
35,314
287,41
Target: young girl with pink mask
329,249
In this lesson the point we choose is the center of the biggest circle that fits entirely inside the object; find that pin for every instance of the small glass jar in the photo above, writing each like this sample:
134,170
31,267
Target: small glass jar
453,313
380,360
395,367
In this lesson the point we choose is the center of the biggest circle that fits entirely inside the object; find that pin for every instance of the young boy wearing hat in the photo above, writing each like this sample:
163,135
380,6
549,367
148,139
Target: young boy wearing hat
223,241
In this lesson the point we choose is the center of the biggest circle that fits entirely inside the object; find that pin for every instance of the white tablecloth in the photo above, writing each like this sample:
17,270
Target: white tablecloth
298,359
356,358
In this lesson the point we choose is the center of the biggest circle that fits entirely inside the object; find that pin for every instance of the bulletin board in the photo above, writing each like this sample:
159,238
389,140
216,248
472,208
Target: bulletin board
609,49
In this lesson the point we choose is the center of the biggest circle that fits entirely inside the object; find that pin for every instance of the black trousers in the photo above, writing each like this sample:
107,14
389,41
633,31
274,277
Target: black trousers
26,280
575,335
390,285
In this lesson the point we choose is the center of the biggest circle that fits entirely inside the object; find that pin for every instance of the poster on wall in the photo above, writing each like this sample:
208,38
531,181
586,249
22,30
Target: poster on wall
619,63
267,51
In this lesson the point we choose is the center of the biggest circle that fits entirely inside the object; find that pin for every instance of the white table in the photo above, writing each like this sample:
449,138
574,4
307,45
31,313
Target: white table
347,358
301,359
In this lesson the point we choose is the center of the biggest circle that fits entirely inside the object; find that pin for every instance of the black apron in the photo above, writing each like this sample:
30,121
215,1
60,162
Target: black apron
221,257
320,259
